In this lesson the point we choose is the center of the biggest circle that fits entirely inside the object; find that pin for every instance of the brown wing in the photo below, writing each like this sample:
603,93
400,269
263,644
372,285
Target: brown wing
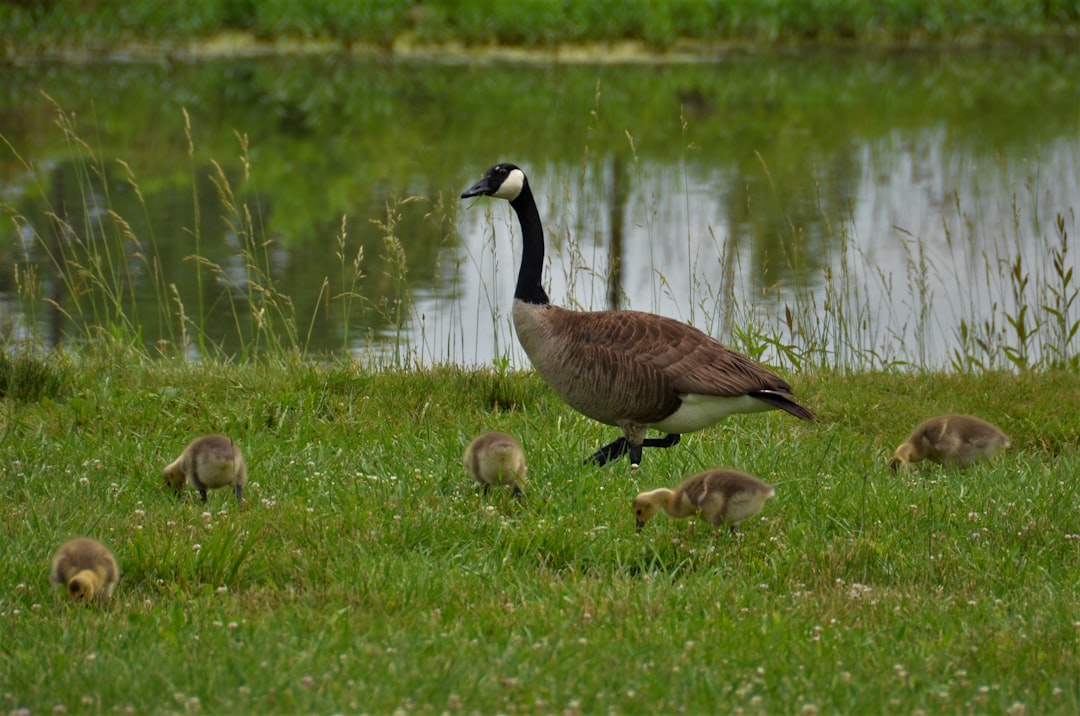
618,366
680,357
694,488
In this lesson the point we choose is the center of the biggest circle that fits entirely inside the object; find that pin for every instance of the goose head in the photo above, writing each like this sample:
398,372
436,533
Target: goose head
502,181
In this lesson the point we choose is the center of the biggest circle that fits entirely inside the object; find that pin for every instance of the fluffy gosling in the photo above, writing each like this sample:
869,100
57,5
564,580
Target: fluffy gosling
716,496
496,458
950,440
87,569
209,462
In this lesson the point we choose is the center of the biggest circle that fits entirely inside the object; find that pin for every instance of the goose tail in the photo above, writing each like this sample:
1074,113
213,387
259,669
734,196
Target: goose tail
785,403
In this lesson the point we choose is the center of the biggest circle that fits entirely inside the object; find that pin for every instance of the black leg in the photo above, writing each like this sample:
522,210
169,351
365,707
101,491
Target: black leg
239,489
668,440
617,448
613,450
198,484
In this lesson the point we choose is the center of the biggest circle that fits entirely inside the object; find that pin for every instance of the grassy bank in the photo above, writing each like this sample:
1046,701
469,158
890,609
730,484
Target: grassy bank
29,26
369,575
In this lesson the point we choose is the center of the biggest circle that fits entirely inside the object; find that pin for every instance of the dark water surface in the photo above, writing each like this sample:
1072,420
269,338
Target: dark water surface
866,207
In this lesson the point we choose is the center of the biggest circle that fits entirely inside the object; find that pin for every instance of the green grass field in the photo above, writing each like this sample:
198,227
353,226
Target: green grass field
368,574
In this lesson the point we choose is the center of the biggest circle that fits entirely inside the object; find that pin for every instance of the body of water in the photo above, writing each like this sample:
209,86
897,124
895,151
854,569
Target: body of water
852,209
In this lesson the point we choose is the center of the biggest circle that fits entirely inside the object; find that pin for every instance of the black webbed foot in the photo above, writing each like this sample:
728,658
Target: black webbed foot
612,451
617,448
669,440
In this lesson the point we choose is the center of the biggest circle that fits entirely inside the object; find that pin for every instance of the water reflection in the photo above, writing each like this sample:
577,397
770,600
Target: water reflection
859,206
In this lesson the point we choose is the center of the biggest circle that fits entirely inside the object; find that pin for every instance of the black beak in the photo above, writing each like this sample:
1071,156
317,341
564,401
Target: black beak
480,188
640,524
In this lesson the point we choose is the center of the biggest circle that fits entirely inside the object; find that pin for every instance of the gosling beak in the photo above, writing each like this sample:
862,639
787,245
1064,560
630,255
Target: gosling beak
480,188
640,524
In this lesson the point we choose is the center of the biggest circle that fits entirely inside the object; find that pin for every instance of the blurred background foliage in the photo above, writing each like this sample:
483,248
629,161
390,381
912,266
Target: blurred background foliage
25,24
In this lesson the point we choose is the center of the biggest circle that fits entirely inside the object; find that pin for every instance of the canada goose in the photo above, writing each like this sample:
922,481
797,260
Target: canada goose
716,496
950,440
496,458
209,462
629,369
86,568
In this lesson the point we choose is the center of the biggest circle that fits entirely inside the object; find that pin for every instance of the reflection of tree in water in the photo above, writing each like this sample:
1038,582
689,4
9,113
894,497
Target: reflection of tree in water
102,264
775,146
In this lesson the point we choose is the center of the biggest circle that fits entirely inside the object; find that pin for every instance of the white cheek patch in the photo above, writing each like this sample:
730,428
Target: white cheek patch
511,186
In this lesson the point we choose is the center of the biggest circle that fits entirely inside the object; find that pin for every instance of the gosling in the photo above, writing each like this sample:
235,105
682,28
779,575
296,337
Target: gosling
87,569
950,440
209,462
496,458
717,496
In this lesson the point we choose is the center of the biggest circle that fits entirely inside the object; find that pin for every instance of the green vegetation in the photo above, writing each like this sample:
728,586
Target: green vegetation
369,574
27,27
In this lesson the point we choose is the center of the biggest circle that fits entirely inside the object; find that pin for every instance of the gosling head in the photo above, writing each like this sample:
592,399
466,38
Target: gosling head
502,181
903,455
174,477
82,586
647,504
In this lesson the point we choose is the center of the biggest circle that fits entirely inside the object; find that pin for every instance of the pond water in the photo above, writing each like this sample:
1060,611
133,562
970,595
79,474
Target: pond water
854,209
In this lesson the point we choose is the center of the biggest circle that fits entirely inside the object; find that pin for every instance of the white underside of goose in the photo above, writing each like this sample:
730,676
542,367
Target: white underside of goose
700,411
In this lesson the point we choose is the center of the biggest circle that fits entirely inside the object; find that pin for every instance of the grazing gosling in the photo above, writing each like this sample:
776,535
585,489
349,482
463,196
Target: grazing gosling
716,496
209,462
950,440
87,569
496,458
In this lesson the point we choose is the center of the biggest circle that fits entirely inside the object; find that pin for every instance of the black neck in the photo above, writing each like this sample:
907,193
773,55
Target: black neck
529,288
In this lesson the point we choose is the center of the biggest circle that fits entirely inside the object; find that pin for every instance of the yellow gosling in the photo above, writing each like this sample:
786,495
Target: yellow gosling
87,569
950,440
717,496
209,462
496,458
